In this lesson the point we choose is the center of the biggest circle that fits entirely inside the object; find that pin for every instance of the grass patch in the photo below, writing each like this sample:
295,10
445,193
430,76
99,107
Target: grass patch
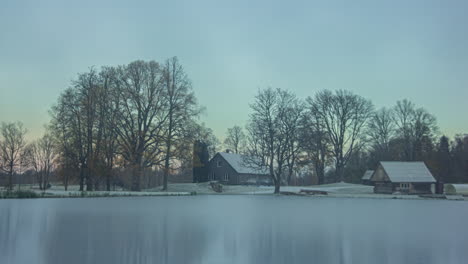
18,195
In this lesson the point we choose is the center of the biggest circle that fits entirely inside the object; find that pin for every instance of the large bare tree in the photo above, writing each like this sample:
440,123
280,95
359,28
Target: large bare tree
74,119
344,116
290,110
181,109
65,127
271,135
12,144
315,143
141,116
107,137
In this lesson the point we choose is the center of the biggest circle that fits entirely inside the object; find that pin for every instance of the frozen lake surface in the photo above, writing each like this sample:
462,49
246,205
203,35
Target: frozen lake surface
232,229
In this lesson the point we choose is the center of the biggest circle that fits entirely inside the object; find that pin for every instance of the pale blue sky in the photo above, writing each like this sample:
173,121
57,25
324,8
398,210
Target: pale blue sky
382,50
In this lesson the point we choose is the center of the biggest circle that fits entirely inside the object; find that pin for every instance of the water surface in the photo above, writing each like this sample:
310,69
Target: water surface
232,229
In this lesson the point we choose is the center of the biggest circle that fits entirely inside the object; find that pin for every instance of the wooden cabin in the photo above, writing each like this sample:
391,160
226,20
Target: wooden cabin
230,168
403,177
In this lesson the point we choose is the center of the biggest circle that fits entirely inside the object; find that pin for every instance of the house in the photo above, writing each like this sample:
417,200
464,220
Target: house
230,168
366,178
404,177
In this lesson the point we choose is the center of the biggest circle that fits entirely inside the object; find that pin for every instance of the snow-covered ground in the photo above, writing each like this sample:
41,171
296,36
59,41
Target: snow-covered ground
74,191
341,189
205,188
461,189
344,190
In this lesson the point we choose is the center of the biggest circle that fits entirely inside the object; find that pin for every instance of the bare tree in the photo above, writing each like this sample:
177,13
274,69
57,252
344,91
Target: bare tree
381,130
87,86
345,116
415,126
65,126
404,114
290,110
107,108
141,116
315,143
69,126
269,142
181,108
12,145
235,139
42,156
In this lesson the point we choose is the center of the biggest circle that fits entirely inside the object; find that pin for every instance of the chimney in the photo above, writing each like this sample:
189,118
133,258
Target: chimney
228,151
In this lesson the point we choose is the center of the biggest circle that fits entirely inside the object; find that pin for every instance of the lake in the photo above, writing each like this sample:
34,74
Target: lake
233,229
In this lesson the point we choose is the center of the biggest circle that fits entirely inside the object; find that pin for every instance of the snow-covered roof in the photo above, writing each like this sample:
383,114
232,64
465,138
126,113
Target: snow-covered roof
367,175
403,171
237,163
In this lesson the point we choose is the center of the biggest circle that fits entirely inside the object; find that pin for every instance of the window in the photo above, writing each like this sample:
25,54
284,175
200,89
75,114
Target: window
226,176
212,176
404,186
218,163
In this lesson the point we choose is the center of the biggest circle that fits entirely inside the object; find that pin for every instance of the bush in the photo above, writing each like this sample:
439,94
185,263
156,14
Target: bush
18,194
26,194
449,189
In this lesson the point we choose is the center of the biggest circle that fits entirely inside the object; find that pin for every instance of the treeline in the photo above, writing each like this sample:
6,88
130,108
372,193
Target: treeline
340,134
135,117
122,124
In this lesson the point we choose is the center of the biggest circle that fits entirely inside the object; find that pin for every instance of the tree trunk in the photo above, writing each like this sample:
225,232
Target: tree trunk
319,169
137,171
41,181
108,181
340,172
10,181
89,181
66,182
166,171
168,153
277,187
81,178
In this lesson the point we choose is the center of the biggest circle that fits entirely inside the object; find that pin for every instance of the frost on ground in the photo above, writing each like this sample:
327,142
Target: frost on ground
341,189
205,188
460,189
57,190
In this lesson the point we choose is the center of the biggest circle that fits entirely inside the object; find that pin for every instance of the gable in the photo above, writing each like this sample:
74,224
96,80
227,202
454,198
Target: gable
380,175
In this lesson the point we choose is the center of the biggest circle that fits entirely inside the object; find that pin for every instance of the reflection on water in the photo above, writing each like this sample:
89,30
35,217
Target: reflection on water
232,229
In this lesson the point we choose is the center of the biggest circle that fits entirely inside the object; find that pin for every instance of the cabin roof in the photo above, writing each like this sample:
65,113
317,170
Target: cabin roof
237,163
404,171
367,175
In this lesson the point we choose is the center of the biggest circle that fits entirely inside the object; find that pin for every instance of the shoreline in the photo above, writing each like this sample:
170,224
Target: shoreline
32,194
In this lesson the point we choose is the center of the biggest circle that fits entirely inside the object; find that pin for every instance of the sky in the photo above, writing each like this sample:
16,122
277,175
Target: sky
382,50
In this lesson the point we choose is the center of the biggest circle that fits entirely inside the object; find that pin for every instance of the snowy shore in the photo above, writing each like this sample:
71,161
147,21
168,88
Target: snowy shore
337,190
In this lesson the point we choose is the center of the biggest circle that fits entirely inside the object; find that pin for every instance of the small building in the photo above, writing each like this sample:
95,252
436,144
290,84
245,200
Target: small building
403,177
366,178
230,168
